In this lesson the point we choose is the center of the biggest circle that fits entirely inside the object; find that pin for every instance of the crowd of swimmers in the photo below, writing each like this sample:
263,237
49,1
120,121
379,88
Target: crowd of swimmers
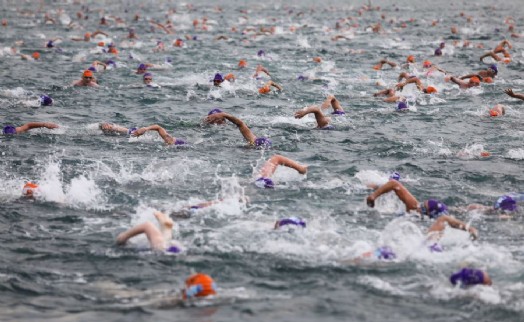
160,235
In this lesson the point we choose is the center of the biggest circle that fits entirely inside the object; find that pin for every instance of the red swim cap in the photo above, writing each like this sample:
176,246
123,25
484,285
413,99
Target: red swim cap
431,90
264,90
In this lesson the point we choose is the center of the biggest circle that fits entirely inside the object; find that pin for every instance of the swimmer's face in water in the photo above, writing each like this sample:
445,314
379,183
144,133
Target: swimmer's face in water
148,80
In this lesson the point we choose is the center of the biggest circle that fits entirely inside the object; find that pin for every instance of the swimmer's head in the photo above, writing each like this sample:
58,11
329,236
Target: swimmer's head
131,130
402,106
50,44
435,248
410,59
436,208
291,221
230,77
218,79
45,100
180,142
35,55
261,53
87,74
302,78
9,129
469,277
199,285
506,203
169,59
262,142
385,253
111,63
395,176
242,63
474,80
141,68
264,183
264,89
427,64
338,112
497,110
101,44
438,52
29,189
442,45
174,249
92,68
214,111
317,59
178,43
429,90
494,68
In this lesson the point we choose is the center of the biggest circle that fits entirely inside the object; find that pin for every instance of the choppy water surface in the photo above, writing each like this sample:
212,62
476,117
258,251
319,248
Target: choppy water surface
58,258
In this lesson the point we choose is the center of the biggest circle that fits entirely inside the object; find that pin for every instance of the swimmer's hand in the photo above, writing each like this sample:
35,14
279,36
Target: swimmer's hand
139,132
509,91
50,125
300,114
302,169
399,86
121,239
474,234
217,118
370,201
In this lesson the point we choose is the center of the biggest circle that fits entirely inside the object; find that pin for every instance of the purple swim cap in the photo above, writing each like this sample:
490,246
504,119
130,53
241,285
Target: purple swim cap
50,44
214,111
302,78
218,78
467,277
402,106
494,68
142,66
261,52
179,142
147,74
92,68
9,129
264,182
438,52
506,203
442,45
395,176
291,221
111,62
131,130
262,142
435,248
195,38
45,100
174,249
385,253
436,208
339,113
169,59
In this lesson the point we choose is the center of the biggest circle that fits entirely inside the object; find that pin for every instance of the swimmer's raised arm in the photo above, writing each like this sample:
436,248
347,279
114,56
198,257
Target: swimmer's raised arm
109,128
35,125
168,139
402,193
390,63
272,83
402,76
332,101
322,121
259,69
158,238
509,91
471,75
412,80
99,32
271,165
246,132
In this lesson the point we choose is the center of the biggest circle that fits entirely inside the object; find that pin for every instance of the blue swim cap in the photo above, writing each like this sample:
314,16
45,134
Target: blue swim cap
174,249
385,253
179,142
395,176
264,182
262,142
92,68
50,44
339,113
467,277
436,208
218,78
9,129
214,111
494,68
402,106
142,66
506,203
291,221
45,100
438,52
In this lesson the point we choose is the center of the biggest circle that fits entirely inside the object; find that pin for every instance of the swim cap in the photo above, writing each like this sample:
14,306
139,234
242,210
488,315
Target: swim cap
92,68
436,208
87,73
261,53
87,35
290,221
214,111
174,249
410,59
426,64
438,52
395,176
338,112
435,248
317,59
178,43
467,277
301,78
264,183
385,253
242,63
430,90
179,142
262,142
111,62
45,100
494,68
36,55
402,106
142,66
230,77
169,59
199,285
218,78
101,44
506,203
29,189
147,74
264,90
50,44
442,45
475,80
9,129
131,130
377,67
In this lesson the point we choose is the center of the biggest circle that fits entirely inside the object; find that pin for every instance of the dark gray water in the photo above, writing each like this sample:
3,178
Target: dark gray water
58,258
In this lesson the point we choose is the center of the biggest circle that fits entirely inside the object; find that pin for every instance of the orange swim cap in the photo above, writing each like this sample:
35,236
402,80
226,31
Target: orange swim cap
494,113
485,154
475,80
264,90
431,90
178,43
35,55
101,44
29,189
199,285
230,77
112,50
377,67
506,60
410,59
242,63
426,64
488,80
87,35
87,73
317,59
